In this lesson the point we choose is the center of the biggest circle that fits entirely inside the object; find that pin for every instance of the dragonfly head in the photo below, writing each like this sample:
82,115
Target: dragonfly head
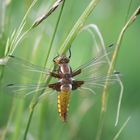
61,60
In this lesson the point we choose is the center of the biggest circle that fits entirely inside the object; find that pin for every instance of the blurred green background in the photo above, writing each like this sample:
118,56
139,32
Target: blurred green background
109,16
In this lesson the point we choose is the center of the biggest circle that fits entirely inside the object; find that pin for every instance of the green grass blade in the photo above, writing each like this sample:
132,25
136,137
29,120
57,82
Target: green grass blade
50,11
121,129
35,100
78,26
110,71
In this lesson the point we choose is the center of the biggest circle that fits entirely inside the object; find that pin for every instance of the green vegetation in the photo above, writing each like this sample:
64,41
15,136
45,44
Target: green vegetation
79,25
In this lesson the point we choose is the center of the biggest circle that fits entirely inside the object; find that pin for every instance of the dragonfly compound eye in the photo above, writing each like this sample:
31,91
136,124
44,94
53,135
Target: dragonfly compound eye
65,60
62,60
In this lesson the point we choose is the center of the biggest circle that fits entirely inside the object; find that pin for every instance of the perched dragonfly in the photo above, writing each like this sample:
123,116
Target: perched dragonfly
87,76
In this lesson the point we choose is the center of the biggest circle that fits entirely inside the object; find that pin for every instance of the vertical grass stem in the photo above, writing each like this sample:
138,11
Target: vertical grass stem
111,69
34,101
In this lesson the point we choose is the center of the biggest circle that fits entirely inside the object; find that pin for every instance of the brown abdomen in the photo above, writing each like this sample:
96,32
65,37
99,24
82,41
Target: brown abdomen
63,103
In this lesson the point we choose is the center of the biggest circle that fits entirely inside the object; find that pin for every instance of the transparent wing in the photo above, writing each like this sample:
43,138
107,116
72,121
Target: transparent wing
17,66
95,83
20,78
23,90
94,66
94,73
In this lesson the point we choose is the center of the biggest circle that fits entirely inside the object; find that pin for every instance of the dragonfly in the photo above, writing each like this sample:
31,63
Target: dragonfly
87,76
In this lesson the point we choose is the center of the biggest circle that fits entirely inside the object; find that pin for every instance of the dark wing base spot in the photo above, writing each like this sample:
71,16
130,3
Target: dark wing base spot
76,84
55,86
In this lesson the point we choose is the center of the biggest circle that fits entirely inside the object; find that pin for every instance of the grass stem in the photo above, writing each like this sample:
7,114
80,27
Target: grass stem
121,129
34,101
64,48
28,124
110,71
54,33
78,26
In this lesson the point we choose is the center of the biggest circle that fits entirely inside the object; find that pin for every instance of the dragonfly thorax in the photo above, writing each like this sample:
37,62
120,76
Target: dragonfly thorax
65,68
66,87
64,81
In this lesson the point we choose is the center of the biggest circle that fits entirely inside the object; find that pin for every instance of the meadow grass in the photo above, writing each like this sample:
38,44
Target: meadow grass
21,130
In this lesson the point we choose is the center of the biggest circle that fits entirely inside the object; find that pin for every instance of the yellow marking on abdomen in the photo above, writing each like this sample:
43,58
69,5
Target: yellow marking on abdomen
63,103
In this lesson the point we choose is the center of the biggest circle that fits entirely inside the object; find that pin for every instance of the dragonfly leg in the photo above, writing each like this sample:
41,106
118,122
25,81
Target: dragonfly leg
55,58
76,73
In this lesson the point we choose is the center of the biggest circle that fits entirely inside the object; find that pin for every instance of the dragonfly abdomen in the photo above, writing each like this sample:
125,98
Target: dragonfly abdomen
63,101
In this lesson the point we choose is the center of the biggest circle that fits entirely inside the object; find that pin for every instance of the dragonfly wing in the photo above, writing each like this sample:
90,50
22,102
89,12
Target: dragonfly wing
24,68
23,90
98,82
100,60
94,72
95,65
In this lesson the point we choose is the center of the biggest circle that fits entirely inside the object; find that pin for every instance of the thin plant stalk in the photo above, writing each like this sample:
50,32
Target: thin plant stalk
110,71
34,101
47,57
54,33
66,45
121,129
78,26
17,35
11,45
51,10
17,38
70,37
101,43
128,11
2,23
